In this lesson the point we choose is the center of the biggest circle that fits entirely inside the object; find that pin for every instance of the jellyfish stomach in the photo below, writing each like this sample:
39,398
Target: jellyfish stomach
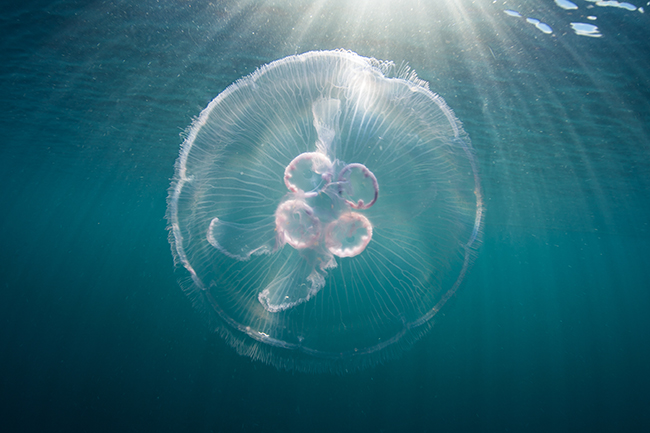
316,202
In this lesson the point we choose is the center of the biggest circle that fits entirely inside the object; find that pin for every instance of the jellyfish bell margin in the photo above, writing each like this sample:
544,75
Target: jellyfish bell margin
325,207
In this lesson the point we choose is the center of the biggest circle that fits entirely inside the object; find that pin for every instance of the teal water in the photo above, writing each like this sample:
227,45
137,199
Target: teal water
548,332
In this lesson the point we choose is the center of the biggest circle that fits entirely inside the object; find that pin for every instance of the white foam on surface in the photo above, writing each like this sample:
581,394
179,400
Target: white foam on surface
615,4
566,4
584,29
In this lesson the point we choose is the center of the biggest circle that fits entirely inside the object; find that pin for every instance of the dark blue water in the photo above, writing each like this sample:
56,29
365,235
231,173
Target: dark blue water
548,333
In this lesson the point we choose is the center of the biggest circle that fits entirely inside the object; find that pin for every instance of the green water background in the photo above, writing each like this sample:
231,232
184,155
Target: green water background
549,331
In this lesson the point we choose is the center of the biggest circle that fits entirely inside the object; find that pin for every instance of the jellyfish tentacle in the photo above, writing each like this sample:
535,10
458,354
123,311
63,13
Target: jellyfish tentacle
294,285
241,241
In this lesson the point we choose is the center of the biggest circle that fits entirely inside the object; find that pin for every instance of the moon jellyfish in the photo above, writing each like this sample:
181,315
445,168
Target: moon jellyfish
325,208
